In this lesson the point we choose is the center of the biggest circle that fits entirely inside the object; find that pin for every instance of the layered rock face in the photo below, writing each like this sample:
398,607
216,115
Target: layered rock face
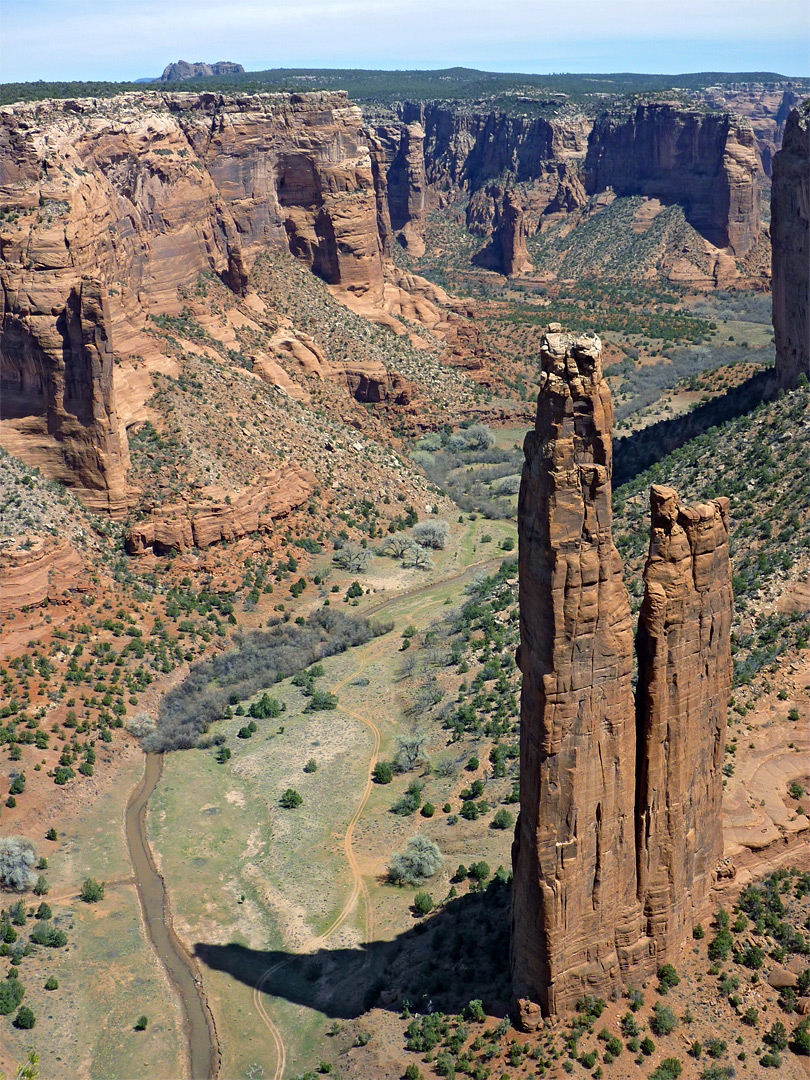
34,570
790,246
706,161
619,829
113,208
766,107
57,399
468,149
684,680
201,524
709,162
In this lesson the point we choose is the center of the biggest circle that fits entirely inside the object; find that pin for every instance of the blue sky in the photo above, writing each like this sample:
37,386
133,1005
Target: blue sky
128,39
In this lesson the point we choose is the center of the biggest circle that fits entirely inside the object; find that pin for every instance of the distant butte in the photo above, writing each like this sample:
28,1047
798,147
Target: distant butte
182,70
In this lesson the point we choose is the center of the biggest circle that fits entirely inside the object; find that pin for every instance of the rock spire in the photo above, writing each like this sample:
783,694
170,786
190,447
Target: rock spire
619,826
790,248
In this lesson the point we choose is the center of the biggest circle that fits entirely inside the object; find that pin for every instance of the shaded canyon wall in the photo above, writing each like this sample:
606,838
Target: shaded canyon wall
790,247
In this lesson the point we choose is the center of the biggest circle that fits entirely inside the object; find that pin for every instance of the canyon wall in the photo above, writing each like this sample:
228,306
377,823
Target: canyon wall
710,162
619,831
705,161
790,247
111,209
765,106
506,251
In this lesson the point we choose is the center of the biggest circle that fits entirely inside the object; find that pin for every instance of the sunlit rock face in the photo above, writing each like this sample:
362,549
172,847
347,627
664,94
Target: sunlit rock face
619,831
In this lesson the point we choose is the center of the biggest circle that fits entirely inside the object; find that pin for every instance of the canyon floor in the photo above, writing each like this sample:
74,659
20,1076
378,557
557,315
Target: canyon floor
366,423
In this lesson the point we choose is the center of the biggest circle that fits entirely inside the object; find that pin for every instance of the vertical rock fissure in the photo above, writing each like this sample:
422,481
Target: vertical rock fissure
619,827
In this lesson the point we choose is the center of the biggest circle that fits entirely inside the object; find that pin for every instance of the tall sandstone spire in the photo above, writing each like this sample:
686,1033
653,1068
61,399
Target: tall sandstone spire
684,680
575,914
619,826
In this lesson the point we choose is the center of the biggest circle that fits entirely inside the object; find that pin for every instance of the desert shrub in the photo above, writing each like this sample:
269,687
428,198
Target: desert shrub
668,1069
51,983
478,871
321,701
352,558
290,799
475,437
383,773
776,1036
265,707
423,903
410,751
800,1038
25,1018
431,534
46,934
720,945
715,1048
257,659
421,859
629,1025
410,802
141,1023
667,978
91,891
17,859
663,1020
717,1072
11,994
502,819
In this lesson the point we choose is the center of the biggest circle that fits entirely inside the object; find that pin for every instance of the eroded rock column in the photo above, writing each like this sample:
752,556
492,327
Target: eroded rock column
790,247
576,919
684,680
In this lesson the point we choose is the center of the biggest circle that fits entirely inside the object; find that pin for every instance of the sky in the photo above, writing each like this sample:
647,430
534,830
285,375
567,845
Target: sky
130,39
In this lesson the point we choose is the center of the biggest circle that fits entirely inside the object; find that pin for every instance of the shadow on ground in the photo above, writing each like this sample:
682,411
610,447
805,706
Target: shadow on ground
459,952
637,452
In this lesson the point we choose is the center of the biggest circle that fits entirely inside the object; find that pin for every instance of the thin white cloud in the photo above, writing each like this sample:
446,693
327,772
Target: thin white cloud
129,38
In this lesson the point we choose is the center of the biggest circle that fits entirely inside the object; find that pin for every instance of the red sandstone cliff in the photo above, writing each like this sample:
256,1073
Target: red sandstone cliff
707,161
114,207
710,162
790,247
58,397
